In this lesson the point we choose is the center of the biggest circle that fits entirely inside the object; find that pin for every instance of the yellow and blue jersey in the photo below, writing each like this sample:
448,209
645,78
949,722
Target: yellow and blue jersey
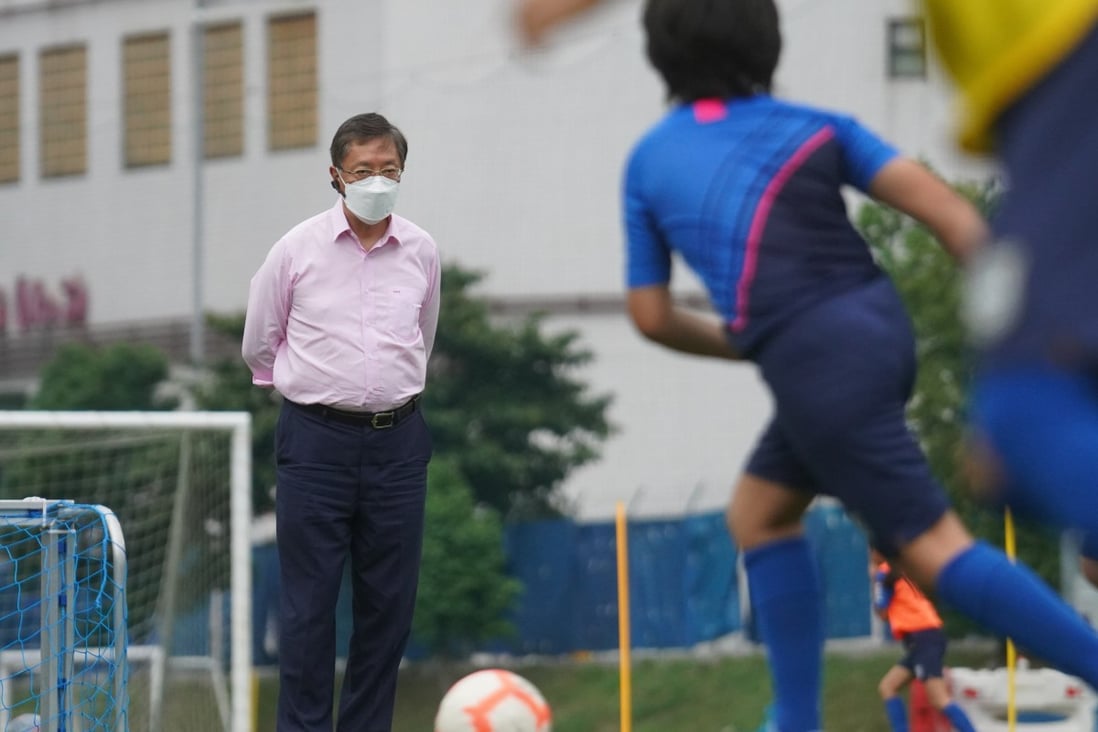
996,50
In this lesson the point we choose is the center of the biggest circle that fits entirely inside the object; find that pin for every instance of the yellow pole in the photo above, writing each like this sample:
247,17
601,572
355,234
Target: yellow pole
1011,659
255,700
624,637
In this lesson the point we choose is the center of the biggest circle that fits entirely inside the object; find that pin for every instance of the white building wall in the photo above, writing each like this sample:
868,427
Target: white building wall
514,166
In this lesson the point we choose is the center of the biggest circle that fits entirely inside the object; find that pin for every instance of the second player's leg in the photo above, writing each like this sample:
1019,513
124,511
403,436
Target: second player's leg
889,687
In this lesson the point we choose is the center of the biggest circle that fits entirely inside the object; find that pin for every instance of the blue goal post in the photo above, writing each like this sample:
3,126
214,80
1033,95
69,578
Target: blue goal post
62,616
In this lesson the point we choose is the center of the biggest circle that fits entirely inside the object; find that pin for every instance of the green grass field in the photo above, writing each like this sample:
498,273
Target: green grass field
726,694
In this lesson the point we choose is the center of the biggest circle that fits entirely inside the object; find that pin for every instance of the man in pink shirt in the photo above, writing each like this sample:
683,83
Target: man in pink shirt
341,320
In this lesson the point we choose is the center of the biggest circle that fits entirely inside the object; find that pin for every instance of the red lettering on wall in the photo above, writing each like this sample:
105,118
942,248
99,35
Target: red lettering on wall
76,300
38,309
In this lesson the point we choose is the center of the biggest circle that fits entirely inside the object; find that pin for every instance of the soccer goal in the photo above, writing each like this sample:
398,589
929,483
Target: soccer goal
63,569
179,484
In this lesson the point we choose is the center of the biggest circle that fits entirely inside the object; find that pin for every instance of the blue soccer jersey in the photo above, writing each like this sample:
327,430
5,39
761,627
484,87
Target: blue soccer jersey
748,193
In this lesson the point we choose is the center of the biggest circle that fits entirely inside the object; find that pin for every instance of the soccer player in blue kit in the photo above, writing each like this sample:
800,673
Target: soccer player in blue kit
746,190
1027,71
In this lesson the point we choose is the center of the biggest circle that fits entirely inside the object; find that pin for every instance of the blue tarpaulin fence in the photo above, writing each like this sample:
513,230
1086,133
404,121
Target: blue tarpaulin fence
683,575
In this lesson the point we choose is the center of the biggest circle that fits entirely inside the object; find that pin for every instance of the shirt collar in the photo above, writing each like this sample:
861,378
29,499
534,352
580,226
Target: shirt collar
340,225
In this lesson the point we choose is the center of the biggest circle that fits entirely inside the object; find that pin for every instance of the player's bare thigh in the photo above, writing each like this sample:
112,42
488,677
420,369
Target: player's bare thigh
923,558
894,680
762,511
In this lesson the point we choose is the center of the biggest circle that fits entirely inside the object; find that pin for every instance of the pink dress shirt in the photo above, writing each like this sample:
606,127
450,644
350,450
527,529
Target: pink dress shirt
330,323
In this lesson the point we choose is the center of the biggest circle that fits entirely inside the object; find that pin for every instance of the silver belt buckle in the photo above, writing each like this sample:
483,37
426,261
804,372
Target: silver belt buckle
383,420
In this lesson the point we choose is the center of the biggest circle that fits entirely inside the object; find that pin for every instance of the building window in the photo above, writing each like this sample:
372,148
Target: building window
9,118
291,82
906,48
63,110
223,90
147,99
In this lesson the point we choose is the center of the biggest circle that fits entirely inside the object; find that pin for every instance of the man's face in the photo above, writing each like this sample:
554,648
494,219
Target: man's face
373,157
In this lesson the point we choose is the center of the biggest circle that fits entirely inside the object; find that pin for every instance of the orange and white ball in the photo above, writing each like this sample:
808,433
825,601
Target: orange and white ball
493,700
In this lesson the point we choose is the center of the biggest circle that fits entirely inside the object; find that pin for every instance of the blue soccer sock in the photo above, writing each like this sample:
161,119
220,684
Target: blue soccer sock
1010,600
897,714
1043,424
957,718
786,601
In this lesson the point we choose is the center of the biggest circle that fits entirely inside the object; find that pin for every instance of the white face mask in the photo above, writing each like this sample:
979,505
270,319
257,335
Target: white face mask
371,199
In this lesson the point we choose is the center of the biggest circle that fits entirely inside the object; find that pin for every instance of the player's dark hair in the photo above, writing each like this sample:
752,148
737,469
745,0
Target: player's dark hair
713,48
362,128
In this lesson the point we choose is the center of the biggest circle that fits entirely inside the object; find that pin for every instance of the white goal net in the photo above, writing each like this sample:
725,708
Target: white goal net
179,484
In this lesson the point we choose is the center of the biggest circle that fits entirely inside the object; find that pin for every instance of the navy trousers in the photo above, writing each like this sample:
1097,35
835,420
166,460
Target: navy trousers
346,490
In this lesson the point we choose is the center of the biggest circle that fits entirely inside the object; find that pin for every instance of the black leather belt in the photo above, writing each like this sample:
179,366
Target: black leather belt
376,420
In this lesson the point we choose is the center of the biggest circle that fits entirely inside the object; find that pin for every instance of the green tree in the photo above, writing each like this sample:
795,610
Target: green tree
504,401
464,591
229,389
136,469
930,284
118,377
506,405
509,418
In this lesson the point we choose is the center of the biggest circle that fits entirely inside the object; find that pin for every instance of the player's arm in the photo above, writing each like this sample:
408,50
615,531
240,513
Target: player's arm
910,187
659,319
883,588
535,18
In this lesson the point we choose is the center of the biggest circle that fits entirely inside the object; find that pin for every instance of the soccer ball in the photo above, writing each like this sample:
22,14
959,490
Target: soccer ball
493,700
24,723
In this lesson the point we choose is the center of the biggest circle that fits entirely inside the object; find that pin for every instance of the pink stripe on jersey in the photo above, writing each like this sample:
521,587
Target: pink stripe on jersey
762,212
709,110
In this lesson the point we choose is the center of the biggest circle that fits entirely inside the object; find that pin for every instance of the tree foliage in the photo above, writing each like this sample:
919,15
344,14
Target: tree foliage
930,284
506,404
118,377
134,472
509,418
464,592
229,389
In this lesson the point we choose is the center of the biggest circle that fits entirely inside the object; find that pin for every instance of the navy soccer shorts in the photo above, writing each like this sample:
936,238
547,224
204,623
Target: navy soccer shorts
841,374
924,651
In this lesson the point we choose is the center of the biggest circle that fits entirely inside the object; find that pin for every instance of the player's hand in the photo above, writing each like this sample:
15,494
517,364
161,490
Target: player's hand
535,18
981,469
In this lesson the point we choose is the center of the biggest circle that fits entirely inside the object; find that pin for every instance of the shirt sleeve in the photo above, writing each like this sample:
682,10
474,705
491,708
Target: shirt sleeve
269,299
648,257
864,153
428,312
